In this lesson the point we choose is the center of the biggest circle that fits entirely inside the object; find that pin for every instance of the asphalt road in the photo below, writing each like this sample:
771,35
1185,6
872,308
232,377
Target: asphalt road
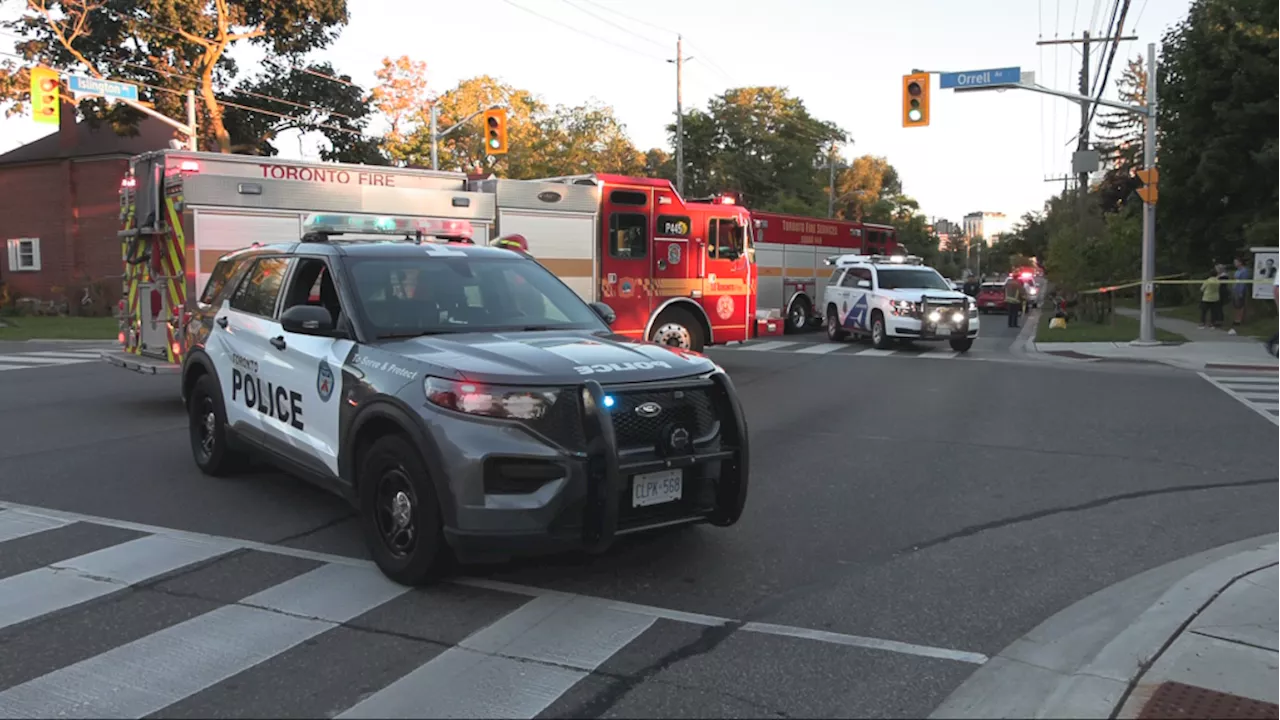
908,518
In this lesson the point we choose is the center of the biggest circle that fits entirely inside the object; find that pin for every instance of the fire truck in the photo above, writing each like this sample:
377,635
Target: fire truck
791,254
675,271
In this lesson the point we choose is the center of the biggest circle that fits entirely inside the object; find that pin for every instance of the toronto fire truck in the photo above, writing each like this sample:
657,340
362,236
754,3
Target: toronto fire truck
674,270
791,255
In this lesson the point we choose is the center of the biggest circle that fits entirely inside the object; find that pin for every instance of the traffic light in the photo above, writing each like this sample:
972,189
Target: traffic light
44,95
915,100
495,131
1148,192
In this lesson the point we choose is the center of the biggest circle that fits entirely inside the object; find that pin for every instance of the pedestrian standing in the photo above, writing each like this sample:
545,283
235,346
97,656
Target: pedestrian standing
1224,296
1273,345
1238,294
1013,296
1210,300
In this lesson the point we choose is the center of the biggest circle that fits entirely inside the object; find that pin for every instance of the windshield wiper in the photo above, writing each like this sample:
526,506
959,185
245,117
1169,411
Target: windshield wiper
397,336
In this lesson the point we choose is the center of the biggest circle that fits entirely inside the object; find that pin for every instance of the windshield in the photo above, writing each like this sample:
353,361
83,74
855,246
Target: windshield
911,279
407,296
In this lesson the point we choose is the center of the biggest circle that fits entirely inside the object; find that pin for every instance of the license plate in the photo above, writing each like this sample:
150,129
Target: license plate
656,488
990,304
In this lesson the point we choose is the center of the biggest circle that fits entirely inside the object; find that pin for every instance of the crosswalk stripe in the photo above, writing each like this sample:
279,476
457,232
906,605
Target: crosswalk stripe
14,525
63,355
821,348
1247,380
769,345
29,360
1260,394
80,579
873,352
944,355
149,674
514,668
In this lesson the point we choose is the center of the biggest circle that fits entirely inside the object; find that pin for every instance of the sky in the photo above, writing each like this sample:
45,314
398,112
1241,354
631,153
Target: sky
983,151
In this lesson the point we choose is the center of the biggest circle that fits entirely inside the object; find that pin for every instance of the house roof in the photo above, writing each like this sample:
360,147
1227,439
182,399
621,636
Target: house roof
90,142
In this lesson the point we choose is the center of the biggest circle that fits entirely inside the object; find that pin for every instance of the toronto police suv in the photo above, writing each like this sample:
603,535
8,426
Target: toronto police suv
461,397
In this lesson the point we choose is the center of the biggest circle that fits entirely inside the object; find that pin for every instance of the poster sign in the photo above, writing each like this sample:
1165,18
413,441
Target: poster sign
1264,272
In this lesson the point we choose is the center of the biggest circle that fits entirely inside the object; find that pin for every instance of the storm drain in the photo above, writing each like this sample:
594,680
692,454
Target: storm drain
1174,700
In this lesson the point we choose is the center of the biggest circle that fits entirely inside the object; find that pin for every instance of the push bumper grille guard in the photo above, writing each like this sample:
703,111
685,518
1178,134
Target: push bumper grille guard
930,328
606,471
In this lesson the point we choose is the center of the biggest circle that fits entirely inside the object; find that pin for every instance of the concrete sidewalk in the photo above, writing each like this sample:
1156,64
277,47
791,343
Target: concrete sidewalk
1205,349
1195,638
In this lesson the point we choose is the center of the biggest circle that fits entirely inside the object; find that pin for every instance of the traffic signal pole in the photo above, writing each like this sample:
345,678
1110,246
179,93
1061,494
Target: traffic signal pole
437,136
1149,175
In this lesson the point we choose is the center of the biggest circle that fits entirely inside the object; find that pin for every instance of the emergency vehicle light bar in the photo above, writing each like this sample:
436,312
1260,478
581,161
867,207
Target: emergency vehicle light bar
334,224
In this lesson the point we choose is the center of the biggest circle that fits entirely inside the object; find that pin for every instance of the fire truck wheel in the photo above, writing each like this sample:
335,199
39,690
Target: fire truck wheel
962,345
835,333
679,328
207,422
798,315
879,336
399,511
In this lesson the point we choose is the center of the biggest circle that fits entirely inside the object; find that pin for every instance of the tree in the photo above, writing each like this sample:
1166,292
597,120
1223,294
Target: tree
864,189
762,142
171,46
1122,138
401,96
1217,131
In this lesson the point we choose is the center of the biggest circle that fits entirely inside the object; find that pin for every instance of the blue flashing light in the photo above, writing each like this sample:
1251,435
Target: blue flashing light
608,401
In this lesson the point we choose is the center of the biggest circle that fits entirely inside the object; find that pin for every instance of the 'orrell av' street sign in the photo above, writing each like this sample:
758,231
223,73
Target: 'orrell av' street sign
976,79
82,85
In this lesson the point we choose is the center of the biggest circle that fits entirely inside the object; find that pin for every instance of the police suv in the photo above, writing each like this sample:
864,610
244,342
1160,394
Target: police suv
896,297
461,397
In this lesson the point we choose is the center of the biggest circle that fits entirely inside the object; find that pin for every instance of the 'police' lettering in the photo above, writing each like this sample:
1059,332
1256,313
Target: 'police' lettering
615,367
273,401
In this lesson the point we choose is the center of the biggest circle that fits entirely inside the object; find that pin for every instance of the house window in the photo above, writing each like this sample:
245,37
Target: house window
24,254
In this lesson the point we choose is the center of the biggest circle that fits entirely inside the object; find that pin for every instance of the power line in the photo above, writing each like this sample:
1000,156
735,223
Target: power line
630,31
702,54
1111,59
583,32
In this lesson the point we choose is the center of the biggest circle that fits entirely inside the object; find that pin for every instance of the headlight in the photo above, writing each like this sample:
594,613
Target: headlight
496,401
904,307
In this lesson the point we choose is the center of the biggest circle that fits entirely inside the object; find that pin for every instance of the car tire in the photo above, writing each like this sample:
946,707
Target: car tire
798,316
879,333
676,323
207,429
835,333
400,512
962,345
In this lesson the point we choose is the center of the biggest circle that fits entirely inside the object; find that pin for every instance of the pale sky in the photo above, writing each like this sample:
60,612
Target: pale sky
988,151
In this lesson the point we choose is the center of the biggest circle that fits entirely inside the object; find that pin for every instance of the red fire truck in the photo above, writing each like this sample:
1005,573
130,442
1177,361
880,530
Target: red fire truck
790,259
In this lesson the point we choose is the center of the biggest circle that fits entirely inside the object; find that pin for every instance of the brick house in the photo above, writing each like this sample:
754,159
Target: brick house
60,207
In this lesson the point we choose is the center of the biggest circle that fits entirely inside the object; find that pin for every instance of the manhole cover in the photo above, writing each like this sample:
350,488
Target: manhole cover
1172,700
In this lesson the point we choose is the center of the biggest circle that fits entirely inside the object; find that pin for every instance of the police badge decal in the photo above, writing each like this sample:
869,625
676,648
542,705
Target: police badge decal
324,381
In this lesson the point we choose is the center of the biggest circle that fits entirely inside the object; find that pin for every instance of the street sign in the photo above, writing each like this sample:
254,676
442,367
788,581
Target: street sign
976,79
106,88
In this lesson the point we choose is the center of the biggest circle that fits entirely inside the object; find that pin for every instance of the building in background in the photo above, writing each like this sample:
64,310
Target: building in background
986,225
950,235
59,197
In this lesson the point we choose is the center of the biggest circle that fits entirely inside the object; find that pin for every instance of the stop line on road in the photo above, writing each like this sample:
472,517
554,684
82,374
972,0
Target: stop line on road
839,348
49,358
1259,392
155,621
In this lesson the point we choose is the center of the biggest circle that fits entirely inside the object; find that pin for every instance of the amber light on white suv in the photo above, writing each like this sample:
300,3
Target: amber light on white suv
505,402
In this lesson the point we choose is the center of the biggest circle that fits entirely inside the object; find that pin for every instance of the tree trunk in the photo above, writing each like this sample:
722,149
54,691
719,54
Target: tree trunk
211,101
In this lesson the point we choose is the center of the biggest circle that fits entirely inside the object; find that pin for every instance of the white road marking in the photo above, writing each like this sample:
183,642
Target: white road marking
822,348
87,577
223,543
64,355
153,672
873,352
516,667
14,525
765,346
867,642
1242,396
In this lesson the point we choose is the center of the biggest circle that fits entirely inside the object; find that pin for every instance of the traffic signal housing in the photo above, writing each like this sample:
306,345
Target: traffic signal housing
1149,192
495,131
915,100
45,100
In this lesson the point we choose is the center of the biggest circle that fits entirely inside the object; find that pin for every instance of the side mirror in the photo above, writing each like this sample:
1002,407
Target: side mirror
605,312
307,320
865,284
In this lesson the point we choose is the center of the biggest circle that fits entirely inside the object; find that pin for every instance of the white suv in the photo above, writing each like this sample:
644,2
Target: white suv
896,297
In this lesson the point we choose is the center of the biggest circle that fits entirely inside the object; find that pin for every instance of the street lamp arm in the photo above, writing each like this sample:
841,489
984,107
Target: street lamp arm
463,121
1136,109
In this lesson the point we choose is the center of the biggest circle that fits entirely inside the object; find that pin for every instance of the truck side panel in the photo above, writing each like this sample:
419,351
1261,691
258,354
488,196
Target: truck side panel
218,232
563,243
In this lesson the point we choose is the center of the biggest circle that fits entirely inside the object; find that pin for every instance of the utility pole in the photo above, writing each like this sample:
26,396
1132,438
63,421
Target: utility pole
1086,103
680,114
831,195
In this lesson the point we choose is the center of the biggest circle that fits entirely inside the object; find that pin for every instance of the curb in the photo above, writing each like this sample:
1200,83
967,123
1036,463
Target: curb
1083,661
68,340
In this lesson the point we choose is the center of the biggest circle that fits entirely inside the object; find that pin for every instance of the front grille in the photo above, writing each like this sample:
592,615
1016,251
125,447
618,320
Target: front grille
691,407
562,424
